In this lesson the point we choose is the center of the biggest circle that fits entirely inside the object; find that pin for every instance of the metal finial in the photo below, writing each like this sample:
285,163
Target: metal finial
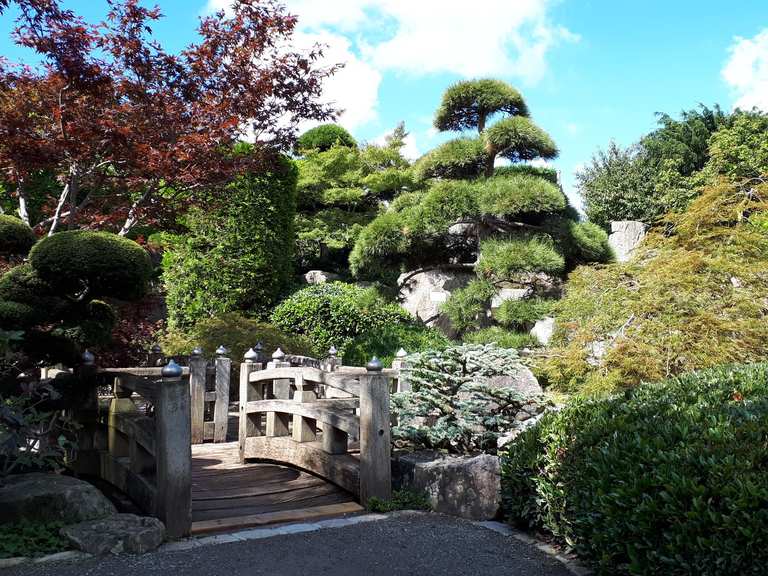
171,370
278,354
251,355
88,358
374,365
197,351
259,346
222,350
401,353
156,349
332,351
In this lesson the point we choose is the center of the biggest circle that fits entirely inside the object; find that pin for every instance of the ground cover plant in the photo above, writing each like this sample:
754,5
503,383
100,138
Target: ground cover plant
31,539
666,478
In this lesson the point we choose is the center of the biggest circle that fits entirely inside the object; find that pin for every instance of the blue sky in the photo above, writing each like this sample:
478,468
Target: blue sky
590,70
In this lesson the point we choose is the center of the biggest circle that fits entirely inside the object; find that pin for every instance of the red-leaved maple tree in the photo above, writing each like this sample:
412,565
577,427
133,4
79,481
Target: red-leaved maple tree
132,132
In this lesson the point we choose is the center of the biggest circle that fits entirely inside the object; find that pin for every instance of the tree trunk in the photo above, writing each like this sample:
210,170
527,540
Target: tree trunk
70,189
490,160
481,117
23,204
133,214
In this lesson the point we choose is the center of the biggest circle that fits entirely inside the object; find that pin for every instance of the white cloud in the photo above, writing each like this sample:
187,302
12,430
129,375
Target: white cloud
746,71
507,38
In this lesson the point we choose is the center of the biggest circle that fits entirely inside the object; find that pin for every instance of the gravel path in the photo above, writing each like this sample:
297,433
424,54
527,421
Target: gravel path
407,544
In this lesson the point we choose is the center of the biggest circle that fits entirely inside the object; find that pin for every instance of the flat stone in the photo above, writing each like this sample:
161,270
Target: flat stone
320,277
543,330
625,237
51,497
465,486
117,534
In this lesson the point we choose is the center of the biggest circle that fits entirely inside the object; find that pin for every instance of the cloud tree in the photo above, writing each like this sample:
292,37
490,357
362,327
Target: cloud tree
128,131
509,224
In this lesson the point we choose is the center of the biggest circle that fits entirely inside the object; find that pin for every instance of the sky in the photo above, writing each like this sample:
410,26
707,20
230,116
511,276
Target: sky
590,70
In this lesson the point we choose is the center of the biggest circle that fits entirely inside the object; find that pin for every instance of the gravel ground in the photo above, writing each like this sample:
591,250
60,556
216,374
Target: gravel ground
417,544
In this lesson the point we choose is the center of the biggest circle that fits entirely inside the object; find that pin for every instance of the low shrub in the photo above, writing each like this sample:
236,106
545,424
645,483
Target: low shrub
16,237
502,337
522,314
386,341
31,539
334,314
235,332
669,478
401,500
454,406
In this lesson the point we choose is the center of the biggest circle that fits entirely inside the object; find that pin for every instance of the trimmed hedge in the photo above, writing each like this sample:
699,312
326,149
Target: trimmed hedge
104,263
518,139
512,196
501,259
16,237
670,478
458,158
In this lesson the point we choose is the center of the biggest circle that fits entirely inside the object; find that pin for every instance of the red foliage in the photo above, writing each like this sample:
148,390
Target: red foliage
133,132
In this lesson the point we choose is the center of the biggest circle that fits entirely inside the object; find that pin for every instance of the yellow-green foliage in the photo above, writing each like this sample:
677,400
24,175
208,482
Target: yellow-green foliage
695,296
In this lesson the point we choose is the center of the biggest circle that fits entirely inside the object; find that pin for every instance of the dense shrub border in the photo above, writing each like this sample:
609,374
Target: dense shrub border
670,478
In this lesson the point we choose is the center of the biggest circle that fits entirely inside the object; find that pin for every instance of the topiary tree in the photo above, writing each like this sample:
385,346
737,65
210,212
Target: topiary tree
339,190
324,137
509,224
16,237
57,299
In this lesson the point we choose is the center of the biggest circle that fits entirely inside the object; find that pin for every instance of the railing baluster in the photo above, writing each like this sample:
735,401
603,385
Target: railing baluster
221,407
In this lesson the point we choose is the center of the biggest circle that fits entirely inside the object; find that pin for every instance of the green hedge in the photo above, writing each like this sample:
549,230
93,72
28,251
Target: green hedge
334,314
670,478
501,259
16,237
458,158
104,263
237,257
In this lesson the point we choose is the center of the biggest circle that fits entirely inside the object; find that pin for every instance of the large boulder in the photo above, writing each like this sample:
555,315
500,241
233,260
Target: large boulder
320,277
50,497
519,378
117,534
543,330
465,486
626,235
423,293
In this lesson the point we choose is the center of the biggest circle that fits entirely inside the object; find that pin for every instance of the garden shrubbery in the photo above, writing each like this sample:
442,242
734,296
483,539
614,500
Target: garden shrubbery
16,237
670,478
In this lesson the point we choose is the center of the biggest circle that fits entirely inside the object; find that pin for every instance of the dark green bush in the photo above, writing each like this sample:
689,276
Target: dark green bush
466,305
518,138
501,259
549,174
16,237
15,316
515,195
324,137
236,333
22,284
31,539
104,264
237,257
459,158
334,314
670,478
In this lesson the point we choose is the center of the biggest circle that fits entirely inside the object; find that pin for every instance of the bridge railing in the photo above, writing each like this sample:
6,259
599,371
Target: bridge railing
141,442
331,421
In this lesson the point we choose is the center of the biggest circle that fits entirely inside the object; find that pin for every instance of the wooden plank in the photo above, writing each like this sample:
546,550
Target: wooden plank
276,517
325,411
144,387
174,457
341,469
239,505
246,487
308,502
197,372
221,408
347,383
375,448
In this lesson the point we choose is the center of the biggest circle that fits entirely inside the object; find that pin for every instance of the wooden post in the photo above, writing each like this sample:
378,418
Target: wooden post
221,407
277,422
174,453
121,403
155,356
247,426
402,384
87,459
375,449
304,429
197,377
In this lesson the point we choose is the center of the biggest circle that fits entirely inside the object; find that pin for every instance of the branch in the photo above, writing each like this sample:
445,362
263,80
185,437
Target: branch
132,219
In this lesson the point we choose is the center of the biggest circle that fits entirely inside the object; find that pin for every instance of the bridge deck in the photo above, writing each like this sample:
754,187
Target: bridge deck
228,495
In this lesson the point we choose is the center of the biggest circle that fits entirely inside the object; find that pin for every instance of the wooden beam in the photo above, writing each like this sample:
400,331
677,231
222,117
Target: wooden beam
221,407
338,415
375,448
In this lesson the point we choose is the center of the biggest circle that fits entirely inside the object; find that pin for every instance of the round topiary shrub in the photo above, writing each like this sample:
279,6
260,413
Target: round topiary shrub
324,137
104,264
670,478
15,316
16,237
334,314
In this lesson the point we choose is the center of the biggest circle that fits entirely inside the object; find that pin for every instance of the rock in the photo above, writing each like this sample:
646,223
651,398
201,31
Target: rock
504,293
424,293
543,330
48,497
117,534
320,277
522,380
465,486
626,235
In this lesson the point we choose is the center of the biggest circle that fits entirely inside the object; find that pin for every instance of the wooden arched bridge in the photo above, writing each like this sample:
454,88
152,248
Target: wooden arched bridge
306,439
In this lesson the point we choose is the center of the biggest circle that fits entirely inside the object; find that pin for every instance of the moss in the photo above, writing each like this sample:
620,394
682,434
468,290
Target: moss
16,237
